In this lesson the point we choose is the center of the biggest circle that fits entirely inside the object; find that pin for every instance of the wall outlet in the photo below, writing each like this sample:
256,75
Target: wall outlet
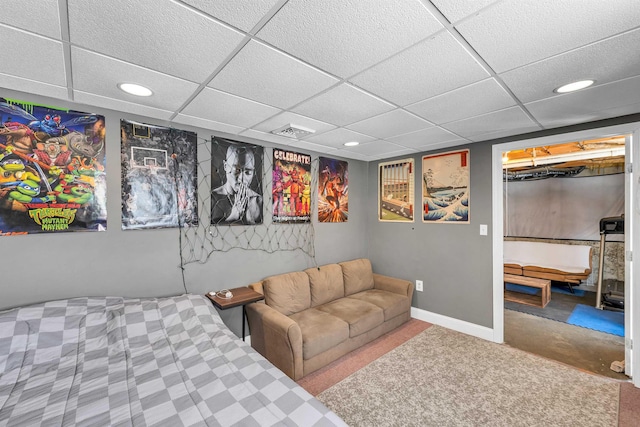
419,285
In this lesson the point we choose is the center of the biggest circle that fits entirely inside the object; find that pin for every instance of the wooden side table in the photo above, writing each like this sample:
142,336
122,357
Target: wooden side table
241,296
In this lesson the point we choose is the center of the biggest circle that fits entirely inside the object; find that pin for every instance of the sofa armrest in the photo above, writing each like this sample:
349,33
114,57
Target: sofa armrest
392,284
276,337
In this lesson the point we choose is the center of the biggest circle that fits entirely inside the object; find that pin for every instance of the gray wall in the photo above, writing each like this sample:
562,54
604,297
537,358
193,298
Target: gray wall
452,260
145,263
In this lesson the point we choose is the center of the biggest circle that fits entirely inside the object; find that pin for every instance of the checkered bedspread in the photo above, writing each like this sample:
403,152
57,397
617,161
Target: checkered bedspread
143,362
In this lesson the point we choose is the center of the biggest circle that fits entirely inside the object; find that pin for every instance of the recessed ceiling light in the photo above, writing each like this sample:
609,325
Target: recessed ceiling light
351,144
135,89
572,87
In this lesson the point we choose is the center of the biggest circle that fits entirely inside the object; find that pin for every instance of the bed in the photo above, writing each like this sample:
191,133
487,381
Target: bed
140,362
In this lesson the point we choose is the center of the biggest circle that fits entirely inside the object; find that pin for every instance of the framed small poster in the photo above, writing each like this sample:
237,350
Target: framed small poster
445,187
333,190
395,191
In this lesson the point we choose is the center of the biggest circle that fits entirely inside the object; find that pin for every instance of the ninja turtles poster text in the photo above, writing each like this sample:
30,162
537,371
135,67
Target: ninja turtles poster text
52,170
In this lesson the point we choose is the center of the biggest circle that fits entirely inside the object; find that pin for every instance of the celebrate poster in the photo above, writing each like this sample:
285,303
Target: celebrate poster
52,169
159,176
291,187
333,194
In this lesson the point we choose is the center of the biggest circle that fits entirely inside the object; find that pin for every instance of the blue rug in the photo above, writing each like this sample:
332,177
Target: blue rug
610,322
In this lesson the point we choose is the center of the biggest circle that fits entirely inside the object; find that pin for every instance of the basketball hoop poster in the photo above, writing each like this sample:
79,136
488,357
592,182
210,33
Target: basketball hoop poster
52,174
159,176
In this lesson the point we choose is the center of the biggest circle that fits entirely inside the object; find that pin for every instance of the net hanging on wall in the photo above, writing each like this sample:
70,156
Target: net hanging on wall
236,196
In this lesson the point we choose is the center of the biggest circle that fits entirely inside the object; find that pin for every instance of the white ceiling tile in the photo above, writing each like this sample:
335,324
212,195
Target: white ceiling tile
162,35
441,145
39,16
337,137
120,105
207,124
345,37
213,105
396,122
424,137
352,155
430,68
504,133
286,118
473,100
243,14
266,75
32,57
379,147
32,86
514,33
310,146
503,120
613,59
343,105
455,10
99,74
266,136
594,103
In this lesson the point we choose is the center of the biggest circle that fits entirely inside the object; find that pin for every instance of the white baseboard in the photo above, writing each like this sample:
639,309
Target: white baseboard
453,324
247,339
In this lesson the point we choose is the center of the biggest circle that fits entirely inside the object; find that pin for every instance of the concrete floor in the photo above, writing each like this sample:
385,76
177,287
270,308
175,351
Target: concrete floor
583,348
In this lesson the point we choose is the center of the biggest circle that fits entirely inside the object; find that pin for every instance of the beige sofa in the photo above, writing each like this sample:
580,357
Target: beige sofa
310,318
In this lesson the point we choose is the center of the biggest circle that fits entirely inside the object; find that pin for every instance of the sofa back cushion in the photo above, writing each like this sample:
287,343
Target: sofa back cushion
288,293
357,276
326,283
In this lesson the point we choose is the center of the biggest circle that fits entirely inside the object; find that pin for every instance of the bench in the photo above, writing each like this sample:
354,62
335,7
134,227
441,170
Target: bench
535,300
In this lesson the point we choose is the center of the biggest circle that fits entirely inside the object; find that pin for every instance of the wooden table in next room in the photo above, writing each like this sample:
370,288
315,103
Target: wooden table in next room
532,282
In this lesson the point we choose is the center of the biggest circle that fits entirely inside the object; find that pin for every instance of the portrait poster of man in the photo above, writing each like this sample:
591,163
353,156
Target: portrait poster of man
333,186
236,182
52,169
291,187
159,176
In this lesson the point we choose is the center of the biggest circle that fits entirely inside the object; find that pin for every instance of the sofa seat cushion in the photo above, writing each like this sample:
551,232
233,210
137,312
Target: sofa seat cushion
361,316
320,331
392,304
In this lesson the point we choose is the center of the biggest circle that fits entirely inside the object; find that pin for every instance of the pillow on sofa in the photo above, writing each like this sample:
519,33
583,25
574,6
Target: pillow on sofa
288,293
357,275
326,284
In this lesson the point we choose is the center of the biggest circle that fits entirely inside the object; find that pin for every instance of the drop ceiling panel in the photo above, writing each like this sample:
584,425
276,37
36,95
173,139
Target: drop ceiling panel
211,104
304,145
380,149
396,122
243,14
207,124
345,37
32,86
512,118
511,34
263,74
473,100
100,75
265,136
455,10
430,68
504,133
46,66
162,35
120,105
286,118
337,137
425,137
595,103
613,59
343,105
39,16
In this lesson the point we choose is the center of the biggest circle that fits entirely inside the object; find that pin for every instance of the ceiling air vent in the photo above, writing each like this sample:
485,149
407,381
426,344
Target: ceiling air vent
293,131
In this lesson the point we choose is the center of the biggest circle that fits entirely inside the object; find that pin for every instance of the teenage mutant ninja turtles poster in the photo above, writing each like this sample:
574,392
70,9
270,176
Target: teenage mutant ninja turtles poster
159,176
52,169
333,190
291,186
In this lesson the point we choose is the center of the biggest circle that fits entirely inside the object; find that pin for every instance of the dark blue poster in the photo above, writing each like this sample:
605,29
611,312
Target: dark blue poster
52,169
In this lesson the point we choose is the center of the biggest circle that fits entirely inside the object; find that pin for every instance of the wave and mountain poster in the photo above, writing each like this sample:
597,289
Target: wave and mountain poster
52,169
291,188
445,187
395,191
159,176
333,190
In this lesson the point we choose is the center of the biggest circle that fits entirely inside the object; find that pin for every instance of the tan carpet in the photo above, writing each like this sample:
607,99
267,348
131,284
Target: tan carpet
445,378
